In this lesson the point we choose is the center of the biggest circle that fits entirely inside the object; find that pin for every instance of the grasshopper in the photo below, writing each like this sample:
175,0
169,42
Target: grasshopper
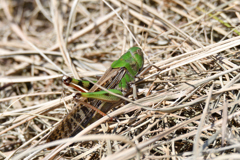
116,79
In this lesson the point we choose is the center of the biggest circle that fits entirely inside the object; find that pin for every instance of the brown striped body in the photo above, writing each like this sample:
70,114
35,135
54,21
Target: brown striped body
81,116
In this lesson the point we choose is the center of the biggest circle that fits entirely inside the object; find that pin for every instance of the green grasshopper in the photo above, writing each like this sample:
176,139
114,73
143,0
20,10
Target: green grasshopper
116,79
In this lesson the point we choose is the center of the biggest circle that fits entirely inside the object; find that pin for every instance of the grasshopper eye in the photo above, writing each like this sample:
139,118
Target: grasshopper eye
139,51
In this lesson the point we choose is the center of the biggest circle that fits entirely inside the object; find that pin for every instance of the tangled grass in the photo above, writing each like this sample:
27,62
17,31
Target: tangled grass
189,102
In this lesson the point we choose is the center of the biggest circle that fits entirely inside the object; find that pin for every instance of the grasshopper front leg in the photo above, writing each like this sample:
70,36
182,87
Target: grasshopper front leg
103,95
75,83
99,95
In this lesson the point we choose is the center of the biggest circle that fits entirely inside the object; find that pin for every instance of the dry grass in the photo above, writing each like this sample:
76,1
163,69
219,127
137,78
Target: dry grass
189,109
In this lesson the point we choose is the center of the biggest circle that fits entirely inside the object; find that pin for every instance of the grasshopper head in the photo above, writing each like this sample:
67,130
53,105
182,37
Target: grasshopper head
137,54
